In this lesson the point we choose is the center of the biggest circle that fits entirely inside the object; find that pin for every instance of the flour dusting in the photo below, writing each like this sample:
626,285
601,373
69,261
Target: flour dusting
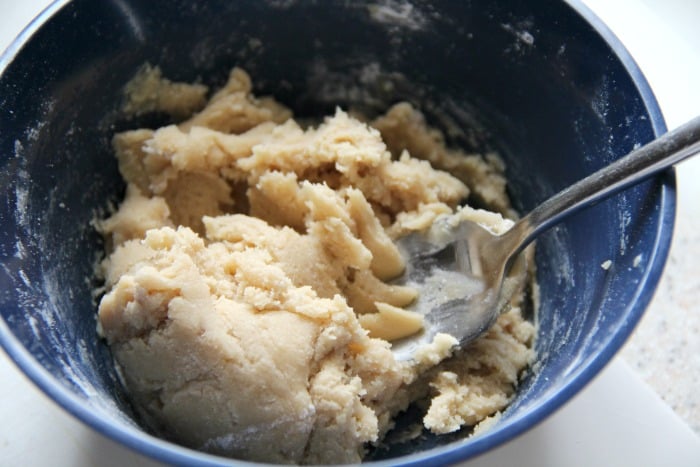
398,13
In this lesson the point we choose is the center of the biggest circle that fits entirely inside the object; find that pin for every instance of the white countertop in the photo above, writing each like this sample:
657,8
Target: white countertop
616,420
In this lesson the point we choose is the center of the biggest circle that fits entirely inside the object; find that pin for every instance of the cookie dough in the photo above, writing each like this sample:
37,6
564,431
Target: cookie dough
248,301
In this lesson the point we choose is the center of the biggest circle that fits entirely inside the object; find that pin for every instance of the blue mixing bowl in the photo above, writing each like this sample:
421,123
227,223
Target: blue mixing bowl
541,81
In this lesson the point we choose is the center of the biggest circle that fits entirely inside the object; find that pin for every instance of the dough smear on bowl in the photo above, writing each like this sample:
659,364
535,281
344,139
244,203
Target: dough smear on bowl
248,298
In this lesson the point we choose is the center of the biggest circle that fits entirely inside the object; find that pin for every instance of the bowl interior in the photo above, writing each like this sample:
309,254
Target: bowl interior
533,80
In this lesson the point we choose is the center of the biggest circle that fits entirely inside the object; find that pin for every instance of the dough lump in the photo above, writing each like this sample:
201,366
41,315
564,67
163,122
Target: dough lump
249,253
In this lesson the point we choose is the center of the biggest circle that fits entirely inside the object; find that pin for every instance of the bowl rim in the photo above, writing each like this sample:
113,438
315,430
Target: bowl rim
165,451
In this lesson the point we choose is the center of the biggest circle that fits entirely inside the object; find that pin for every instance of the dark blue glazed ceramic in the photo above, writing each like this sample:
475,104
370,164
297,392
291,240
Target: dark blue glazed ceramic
541,81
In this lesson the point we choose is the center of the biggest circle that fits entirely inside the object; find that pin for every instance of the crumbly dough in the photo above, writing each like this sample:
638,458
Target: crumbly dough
248,302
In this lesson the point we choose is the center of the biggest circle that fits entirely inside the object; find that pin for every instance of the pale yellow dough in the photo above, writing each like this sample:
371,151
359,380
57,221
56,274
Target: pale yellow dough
248,255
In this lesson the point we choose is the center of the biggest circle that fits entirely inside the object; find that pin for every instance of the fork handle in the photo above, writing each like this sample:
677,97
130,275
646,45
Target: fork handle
637,166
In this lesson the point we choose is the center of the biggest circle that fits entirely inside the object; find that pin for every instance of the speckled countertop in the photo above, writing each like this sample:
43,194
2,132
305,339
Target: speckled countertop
664,39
